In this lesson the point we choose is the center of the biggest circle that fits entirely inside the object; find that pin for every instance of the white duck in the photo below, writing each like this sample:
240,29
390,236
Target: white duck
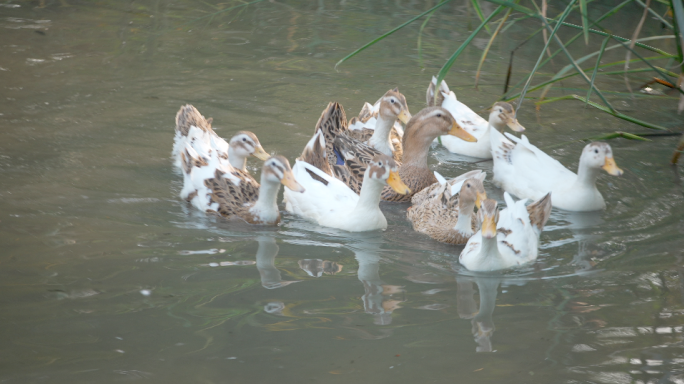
330,202
242,145
501,115
508,238
525,171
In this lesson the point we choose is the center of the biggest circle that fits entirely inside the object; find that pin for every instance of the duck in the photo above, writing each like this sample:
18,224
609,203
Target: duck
445,210
508,238
378,124
241,146
216,187
525,171
501,115
420,131
330,202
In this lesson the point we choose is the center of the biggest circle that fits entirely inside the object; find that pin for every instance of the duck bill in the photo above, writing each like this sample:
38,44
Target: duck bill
611,167
394,181
260,154
458,131
488,227
404,116
513,124
481,196
289,181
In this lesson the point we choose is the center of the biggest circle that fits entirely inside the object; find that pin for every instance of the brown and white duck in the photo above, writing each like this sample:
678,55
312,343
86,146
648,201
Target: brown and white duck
445,211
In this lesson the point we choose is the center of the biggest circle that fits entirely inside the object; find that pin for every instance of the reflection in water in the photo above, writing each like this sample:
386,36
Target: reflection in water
483,326
377,299
265,262
583,227
317,267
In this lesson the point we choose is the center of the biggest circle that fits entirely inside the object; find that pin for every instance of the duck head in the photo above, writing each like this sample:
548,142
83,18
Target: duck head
599,155
245,144
502,115
489,216
431,122
277,170
393,106
385,169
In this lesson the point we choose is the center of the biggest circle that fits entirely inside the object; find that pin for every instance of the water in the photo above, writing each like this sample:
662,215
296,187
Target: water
107,276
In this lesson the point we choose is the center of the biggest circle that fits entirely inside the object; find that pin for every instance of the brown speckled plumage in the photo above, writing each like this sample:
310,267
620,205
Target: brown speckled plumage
540,211
234,200
188,116
435,210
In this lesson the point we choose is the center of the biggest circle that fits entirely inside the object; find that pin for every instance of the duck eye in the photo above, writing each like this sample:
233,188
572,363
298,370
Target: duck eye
468,185
595,150
244,139
380,163
392,101
439,115
500,110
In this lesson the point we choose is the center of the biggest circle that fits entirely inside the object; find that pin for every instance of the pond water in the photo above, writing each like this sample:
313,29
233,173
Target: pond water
108,276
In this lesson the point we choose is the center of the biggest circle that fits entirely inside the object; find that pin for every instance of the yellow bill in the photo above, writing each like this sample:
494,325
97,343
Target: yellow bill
481,196
289,181
458,131
611,167
513,124
488,227
260,154
404,116
397,185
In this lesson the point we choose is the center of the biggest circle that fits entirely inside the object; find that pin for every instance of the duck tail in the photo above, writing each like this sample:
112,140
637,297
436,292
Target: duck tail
332,123
540,211
315,153
188,116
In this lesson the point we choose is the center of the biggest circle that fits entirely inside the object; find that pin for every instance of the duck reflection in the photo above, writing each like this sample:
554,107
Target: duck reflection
265,263
377,299
318,267
481,320
583,226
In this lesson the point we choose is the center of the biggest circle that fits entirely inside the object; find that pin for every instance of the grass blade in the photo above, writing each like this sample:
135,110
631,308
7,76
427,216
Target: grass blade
598,63
489,44
478,10
656,15
349,56
420,38
445,68
634,39
585,20
620,115
541,56
607,136
611,12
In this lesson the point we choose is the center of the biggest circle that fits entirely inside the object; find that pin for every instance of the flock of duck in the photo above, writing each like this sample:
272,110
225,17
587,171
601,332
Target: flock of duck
348,167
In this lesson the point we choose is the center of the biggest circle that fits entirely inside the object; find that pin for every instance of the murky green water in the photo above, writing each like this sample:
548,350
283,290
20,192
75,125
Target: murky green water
108,276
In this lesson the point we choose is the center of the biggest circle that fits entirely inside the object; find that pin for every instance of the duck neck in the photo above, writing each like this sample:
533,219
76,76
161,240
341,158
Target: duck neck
236,160
465,213
266,205
586,176
369,198
416,152
490,249
381,133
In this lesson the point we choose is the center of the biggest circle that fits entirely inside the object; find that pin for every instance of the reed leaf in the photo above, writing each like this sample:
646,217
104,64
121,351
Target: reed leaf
372,42
420,38
445,68
611,12
489,44
478,10
585,20
607,136
655,14
596,67
620,115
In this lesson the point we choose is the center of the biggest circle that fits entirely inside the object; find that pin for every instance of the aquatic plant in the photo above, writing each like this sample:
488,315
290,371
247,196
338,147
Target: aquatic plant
670,16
